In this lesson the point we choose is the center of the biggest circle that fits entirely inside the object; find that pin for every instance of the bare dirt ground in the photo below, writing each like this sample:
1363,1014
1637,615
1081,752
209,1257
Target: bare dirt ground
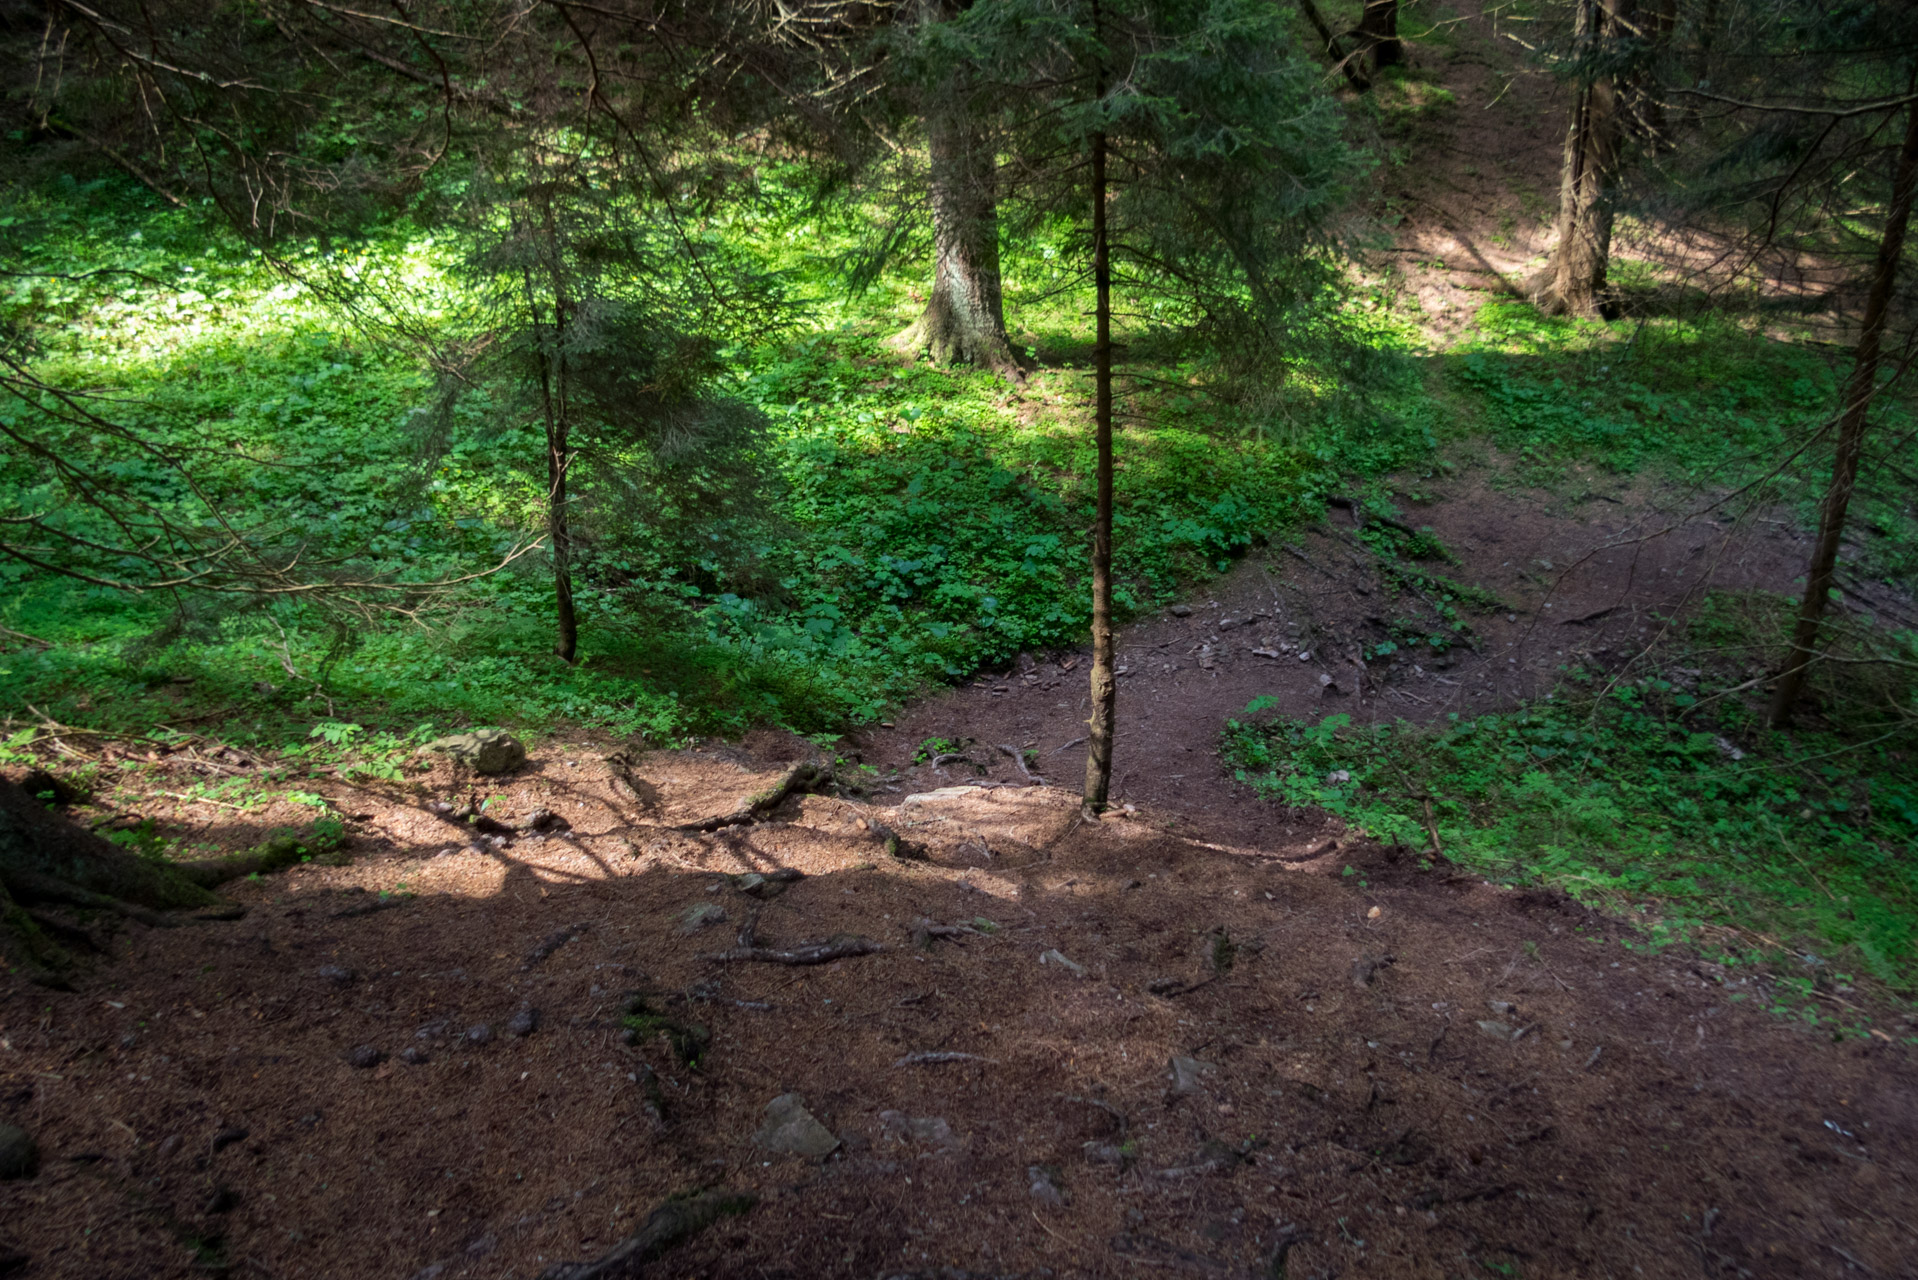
1185,1038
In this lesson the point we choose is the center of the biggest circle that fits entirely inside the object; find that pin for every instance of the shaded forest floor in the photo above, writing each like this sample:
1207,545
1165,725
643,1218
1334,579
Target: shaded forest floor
1210,1034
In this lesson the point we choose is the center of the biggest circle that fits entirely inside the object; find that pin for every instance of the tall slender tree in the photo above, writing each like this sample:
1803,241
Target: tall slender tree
1853,418
1201,155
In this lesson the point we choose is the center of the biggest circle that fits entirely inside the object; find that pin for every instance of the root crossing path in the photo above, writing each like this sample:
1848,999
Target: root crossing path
957,1033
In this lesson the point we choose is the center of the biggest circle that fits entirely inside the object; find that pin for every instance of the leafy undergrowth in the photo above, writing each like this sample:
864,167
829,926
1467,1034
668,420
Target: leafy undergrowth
1656,793
901,524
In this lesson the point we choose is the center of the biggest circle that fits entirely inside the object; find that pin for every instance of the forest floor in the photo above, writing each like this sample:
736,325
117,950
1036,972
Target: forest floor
1208,1034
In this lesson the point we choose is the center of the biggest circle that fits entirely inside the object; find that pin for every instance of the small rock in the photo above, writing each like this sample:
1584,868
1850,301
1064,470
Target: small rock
1338,777
129,1040
1186,1073
414,1056
1046,1186
480,1034
1058,958
223,1200
1496,1030
227,1137
524,1023
1375,913
1503,1008
789,1129
542,820
1226,624
365,1056
19,1157
335,974
700,916
168,1145
486,750
898,1127
1182,611
1305,655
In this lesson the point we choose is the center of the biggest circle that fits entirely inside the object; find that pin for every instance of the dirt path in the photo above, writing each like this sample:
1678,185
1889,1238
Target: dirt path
1080,1050
1587,583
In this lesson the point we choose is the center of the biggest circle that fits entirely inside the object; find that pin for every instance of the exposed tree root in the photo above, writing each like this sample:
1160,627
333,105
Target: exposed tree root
837,948
806,775
665,1227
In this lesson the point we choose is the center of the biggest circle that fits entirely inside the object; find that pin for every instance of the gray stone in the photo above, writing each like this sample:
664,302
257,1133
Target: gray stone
364,1056
932,1131
700,916
479,1034
486,750
1182,611
1497,1030
790,1129
524,1023
1058,958
1186,1073
1046,1185
414,1056
19,1157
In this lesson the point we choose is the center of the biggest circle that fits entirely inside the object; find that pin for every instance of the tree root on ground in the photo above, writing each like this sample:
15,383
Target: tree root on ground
806,775
837,948
666,1226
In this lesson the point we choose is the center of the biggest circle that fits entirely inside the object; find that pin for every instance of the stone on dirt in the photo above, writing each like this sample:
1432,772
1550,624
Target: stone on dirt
486,750
524,1023
1497,1030
1047,1185
479,1034
19,1157
1181,611
699,917
364,1056
1058,958
1186,1073
790,1129
898,1127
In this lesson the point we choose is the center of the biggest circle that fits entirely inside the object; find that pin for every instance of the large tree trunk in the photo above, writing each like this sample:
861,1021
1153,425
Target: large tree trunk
1104,683
1378,35
965,320
1574,282
1859,392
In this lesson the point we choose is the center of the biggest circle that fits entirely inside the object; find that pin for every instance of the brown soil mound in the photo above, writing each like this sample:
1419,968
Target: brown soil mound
1391,1071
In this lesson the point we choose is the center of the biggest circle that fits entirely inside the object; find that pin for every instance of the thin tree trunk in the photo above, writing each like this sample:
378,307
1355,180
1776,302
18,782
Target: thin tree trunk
555,398
1574,282
1378,35
1859,393
1347,66
965,320
1104,683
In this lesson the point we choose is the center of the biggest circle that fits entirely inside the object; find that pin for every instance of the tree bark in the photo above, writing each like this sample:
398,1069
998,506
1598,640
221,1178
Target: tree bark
965,320
555,401
1104,683
1859,392
1378,35
1574,282
1347,66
